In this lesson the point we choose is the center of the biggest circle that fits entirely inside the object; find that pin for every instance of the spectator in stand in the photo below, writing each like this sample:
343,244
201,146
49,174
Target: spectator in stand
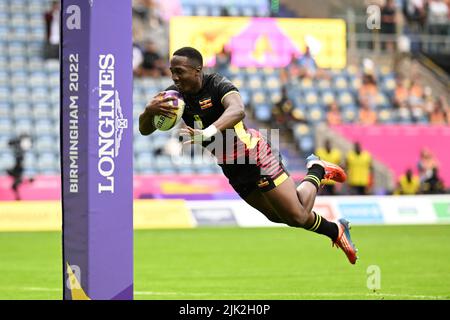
438,116
359,170
291,72
433,184
366,115
138,58
408,184
428,100
368,91
308,66
426,164
415,13
153,65
388,24
223,60
437,17
334,116
333,155
400,92
51,47
281,111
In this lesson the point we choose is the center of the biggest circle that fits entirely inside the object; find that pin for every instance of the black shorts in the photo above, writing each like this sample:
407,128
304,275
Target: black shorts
262,170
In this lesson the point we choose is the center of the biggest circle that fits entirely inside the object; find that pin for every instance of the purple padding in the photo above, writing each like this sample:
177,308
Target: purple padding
96,135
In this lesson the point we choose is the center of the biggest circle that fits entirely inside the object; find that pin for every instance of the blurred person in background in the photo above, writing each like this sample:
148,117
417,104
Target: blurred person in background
438,115
51,47
333,155
433,184
334,116
437,17
368,91
388,24
408,184
427,162
19,145
138,58
281,110
366,115
415,13
153,65
223,60
307,64
359,169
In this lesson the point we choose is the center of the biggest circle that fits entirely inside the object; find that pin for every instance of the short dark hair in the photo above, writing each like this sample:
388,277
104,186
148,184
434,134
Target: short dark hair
190,53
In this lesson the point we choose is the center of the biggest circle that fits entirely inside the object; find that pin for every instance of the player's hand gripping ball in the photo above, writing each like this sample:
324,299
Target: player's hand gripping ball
165,123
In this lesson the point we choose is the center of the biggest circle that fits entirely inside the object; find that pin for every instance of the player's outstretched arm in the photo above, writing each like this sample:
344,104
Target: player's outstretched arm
157,106
234,112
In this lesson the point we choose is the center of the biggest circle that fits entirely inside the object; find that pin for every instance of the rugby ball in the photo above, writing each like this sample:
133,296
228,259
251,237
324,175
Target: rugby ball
164,123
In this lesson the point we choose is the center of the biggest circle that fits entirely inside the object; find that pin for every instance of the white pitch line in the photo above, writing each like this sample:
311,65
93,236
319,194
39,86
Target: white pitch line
324,294
269,294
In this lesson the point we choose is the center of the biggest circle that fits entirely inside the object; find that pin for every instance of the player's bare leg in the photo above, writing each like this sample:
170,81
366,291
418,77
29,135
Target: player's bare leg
284,200
306,193
257,200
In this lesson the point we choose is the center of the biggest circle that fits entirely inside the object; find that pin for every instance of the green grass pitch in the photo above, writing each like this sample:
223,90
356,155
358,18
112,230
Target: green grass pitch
249,263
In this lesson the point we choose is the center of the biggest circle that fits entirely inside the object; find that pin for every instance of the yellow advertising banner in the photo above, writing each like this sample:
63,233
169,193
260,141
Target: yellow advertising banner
262,42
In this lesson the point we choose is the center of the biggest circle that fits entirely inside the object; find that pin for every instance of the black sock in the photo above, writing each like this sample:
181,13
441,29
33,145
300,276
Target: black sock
315,175
323,226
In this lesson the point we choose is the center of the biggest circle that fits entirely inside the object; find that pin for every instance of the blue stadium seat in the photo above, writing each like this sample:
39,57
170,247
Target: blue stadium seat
21,110
386,116
340,83
263,112
255,81
4,32
349,113
327,97
45,143
6,126
382,101
259,97
23,125
145,160
311,98
18,62
300,130
20,94
43,127
48,163
306,144
30,161
6,160
345,98
4,78
4,141
5,109
39,94
5,93
315,115
323,84
245,95
274,96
